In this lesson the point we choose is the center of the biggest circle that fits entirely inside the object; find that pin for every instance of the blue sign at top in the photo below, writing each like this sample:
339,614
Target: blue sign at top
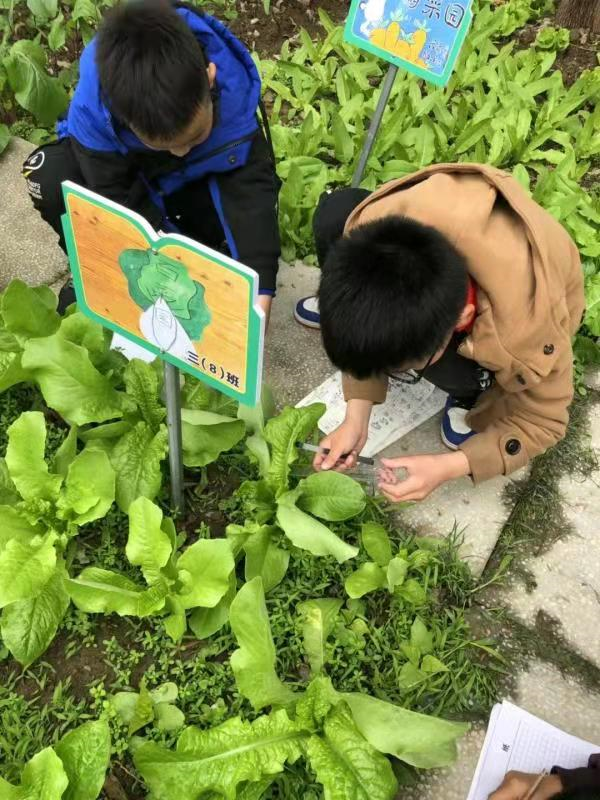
422,36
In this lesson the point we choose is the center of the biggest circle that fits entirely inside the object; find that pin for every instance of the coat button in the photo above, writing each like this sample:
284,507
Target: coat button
233,159
548,349
521,380
513,447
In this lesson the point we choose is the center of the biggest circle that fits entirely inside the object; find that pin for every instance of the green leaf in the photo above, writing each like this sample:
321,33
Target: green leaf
165,693
433,665
43,778
34,89
282,432
422,741
367,578
57,35
8,491
342,141
25,458
420,637
208,563
85,754
25,569
86,10
11,370
253,664
412,592
308,533
347,765
206,435
332,496
137,459
65,453
69,381
4,137
319,618
205,622
29,312
410,676
265,559
43,9
376,542
101,591
197,395
89,489
148,546
169,717
29,626
143,385
397,571
218,760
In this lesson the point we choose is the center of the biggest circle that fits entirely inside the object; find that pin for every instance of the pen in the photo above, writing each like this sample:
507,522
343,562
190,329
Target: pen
314,449
536,786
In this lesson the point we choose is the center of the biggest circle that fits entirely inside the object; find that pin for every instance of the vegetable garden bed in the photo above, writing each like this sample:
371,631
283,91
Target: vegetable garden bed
275,590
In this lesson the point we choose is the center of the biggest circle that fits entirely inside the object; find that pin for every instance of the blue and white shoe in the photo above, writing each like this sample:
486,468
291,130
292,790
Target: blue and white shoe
307,312
455,430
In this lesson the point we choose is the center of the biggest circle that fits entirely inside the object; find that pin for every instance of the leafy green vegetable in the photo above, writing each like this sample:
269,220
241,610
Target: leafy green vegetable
281,433
253,663
85,755
332,496
43,778
34,89
206,435
138,709
319,618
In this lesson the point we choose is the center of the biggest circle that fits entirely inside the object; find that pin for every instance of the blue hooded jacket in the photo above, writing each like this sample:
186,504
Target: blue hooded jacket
89,120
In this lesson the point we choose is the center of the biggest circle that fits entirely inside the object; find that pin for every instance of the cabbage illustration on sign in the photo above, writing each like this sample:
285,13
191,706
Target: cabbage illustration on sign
422,36
175,312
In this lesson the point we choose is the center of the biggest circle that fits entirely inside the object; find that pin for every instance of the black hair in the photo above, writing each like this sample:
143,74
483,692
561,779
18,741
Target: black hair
584,793
152,68
391,293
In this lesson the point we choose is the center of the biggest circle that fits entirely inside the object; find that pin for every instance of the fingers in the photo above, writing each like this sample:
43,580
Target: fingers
403,491
397,463
337,458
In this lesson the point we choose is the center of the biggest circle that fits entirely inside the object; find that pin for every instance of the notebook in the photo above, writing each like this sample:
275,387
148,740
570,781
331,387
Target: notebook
516,740
407,406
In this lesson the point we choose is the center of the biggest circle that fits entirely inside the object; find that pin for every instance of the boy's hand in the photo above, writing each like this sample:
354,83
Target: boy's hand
424,474
516,785
265,301
349,439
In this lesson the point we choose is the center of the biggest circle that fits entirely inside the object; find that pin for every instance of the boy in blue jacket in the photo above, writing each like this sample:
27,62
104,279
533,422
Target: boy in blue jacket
164,120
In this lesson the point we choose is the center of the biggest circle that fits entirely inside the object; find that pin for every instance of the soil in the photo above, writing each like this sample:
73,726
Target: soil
579,56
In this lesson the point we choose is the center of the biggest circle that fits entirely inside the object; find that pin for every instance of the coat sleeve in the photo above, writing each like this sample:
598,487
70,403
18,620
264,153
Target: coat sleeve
114,177
584,778
533,420
373,389
250,205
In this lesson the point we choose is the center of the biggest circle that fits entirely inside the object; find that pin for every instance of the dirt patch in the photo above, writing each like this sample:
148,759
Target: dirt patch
267,32
579,56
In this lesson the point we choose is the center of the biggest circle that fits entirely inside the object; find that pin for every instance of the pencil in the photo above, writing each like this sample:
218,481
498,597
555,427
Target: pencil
536,785
314,449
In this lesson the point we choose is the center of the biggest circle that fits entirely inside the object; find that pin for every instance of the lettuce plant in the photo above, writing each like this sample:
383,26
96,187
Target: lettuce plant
347,738
43,507
273,510
138,709
176,581
73,769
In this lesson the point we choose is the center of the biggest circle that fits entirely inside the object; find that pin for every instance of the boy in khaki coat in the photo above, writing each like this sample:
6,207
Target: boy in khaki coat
453,274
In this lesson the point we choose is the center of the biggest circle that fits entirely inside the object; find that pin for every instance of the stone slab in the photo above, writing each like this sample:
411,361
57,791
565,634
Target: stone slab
568,576
542,691
28,247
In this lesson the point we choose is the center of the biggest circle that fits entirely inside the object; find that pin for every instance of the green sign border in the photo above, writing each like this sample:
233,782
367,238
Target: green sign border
255,343
438,80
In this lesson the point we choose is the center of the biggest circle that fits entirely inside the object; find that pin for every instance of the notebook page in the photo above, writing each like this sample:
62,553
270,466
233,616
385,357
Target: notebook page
407,406
520,741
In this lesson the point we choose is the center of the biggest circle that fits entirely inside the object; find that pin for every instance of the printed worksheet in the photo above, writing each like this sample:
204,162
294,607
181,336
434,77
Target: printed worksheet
407,406
517,740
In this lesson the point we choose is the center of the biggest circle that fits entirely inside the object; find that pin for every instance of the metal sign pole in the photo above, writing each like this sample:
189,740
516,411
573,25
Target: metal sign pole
173,397
386,90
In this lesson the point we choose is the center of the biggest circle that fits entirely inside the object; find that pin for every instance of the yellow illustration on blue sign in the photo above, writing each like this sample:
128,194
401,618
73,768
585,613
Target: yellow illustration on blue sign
166,294
423,36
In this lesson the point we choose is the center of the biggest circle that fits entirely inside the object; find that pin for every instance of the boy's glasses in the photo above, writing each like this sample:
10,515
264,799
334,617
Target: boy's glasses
410,376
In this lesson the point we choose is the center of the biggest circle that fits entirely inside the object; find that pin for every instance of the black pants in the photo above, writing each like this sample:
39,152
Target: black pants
191,208
460,377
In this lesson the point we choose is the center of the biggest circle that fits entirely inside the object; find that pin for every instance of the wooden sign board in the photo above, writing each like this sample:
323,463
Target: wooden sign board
422,36
181,301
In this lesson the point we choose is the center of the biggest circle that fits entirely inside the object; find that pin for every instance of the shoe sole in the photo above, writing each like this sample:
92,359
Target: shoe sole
307,323
448,444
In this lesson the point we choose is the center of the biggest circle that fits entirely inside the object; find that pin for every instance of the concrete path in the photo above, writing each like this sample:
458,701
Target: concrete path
567,577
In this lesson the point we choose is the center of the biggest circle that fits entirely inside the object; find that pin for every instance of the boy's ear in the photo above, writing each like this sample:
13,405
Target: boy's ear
466,317
211,71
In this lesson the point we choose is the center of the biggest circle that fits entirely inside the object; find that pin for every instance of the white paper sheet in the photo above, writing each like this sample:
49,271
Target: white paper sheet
516,740
407,406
